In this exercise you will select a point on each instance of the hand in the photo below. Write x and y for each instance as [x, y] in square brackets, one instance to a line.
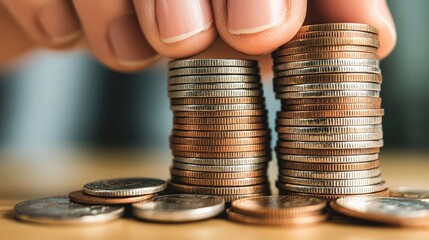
[131, 35]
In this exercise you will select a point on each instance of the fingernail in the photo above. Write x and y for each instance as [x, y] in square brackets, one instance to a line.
[128, 42]
[252, 16]
[179, 20]
[59, 22]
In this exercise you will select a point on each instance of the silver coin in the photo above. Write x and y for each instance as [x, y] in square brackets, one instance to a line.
[331, 130]
[358, 86]
[332, 137]
[327, 62]
[212, 70]
[333, 190]
[212, 168]
[410, 192]
[219, 107]
[355, 121]
[179, 208]
[216, 93]
[359, 27]
[125, 187]
[331, 175]
[60, 210]
[327, 94]
[186, 63]
[331, 182]
[331, 145]
[328, 69]
[222, 161]
[327, 159]
[214, 79]
[213, 86]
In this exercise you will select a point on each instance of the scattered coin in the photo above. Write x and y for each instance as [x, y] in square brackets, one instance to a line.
[81, 197]
[410, 193]
[179, 208]
[125, 187]
[60, 210]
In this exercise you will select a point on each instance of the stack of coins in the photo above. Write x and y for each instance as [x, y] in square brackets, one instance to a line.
[220, 139]
[328, 80]
[278, 210]
[118, 191]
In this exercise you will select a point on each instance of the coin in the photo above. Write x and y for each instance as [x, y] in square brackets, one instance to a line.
[338, 167]
[179, 208]
[213, 182]
[332, 113]
[329, 86]
[220, 114]
[226, 107]
[351, 121]
[330, 107]
[326, 152]
[333, 190]
[328, 78]
[211, 168]
[328, 41]
[219, 141]
[336, 34]
[222, 134]
[330, 130]
[222, 161]
[186, 63]
[328, 69]
[215, 101]
[234, 127]
[325, 55]
[205, 148]
[388, 210]
[333, 137]
[216, 93]
[213, 79]
[278, 206]
[60, 210]
[220, 175]
[213, 86]
[331, 197]
[326, 62]
[124, 187]
[231, 198]
[212, 70]
[328, 159]
[220, 121]
[410, 193]
[339, 26]
[334, 100]
[331, 175]
[331, 182]
[322, 49]
[327, 94]
[219, 190]
[295, 221]
[81, 197]
[223, 154]
[331, 145]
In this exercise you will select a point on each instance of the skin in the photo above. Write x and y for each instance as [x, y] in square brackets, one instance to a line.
[20, 33]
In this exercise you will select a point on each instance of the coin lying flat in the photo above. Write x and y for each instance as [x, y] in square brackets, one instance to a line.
[220, 175]
[81, 197]
[388, 210]
[328, 78]
[322, 49]
[339, 26]
[212, 70]
[330, 197]
[410, 193]
[331, 182]
[329, 86]
[125, 187]
[330, 130]
[328, 69]
[352, 121]
[179, 208]
[220, 120]
[219, 190]
[327, 94]
[320, 107]
[187, 63]
[212, 86]
[222, 161]
[215, 182]
[214, 101]
[337, 34]
[333, 190]
[331, 175]
[60, 210]
[231, 78]
[327, 159]
[326, 62]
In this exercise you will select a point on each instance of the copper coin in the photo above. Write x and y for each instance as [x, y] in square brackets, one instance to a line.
[339, 27]
[331, 182]
[331, 145]
[388, 210]
[330, 197]
[81, 197]
[327, 94]
[218, 114]
[189, 63]
[279, 206]
[219, 141]
[318, 130]
[331, 175]
[325, 55]
[213, 79]
[222, 134]
[332, 41]
[222, 161]
[327, 152]
[360, 86]
[324, 107]
[219, 190]
[220, 175]
[214, 168]
[218, 107]
[336, 100]
[332, 113]
[351, 121]
[216, 93]
[319, 49]
[213, 70]
[328, 159]
[332, 137]
[222, 154]
[231, 198]
[410, 193]
[220, 121]
[214, 101]
[333, 190]
[335, 167]
[219, 182]
[232, 127]
[336, 34]
[200, 148]
[294, 221]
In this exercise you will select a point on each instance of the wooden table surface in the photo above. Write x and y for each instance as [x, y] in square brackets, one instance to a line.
[22, 177]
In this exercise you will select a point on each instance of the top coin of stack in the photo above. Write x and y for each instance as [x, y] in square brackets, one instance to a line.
[220, 139]
[328, 79]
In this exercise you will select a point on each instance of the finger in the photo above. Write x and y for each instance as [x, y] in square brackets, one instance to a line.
[177, 28]
[114, 35]
[258, 26]
[372, 12]
[51, 23]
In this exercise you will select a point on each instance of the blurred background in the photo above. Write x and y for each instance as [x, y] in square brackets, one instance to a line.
[56, 102]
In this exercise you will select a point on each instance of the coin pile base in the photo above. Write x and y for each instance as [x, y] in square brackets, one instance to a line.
[278, 210]
[220, 139]
[328, 80]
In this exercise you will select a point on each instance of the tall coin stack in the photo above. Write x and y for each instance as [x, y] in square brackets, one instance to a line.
[220, 139]
[328, 80]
